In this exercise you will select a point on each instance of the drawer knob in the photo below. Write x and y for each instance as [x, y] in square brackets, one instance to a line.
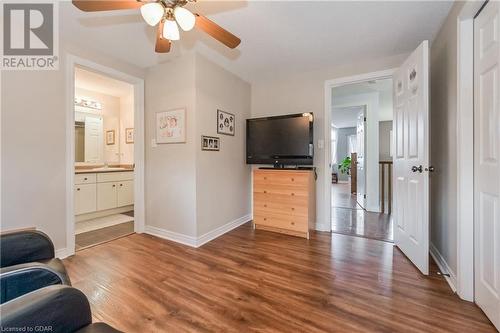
[265, 218]
[293, 194]
[293, 179]
[121, 185]
[293, 208]
[265, 191]
[265, 178]
[293, 223]
[78, 189]
[114, 185]
[265, 205]
[85, 178]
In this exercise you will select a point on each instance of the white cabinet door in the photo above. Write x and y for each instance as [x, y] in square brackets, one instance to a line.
[106, 196]
[85, 198]
[487, 161]
[411, 158]
[125, 193]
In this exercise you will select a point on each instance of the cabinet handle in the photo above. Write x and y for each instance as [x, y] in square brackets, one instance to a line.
[85, 178]
[265, 205]
[293, 208]
[293, 179]
[265, 218]
[265, 191]
[114, 185]
[293, 223]
[121, 185]
[265, 178]
[78, 189]
[293, 194]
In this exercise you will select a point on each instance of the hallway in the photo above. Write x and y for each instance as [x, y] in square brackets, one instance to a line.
[349, 218]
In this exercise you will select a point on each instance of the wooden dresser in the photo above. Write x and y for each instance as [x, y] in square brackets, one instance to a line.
[284, 201]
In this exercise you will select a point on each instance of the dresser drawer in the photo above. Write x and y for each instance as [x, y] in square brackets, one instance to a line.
[288, 190]
[282, 222]
[85, 178]
[278, 206]
[300, 179]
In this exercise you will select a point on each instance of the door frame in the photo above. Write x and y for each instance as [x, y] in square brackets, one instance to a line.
[329, 85]
[465, 150]
[138, 84]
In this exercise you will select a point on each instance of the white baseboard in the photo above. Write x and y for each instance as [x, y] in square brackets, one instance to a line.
[62, 253]
[171, 236]
[322, 227]
[211, 235]
[197, 241]
[443, 267]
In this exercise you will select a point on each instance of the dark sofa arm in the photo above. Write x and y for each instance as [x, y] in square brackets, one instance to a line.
[21, 279]
[58, 309]
[25, 246]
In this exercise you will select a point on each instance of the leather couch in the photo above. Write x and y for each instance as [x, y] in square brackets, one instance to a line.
[28, 263]
[55, 309]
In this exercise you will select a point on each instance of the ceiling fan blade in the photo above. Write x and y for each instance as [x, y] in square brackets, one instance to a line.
[217, 32]
[103, 5]
[162, 44]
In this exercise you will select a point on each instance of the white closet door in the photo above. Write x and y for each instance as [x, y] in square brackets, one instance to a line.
[486, 161]
[94, 140]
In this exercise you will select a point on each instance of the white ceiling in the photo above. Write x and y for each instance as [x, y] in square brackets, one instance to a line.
[277, 36]
[88, 80]
[347, 116]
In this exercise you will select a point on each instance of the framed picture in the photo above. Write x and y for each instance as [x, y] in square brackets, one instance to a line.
[171, 126]
[110, 137]
[129, 135]
[225, 123]
[210, 143]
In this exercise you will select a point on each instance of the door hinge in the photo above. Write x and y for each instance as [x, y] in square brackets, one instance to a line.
[365, 118]
[364, 196]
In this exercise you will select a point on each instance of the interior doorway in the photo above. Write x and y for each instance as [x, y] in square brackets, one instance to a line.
[105, 156]
[361, 159]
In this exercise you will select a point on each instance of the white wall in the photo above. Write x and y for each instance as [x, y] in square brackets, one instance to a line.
[342, 147]
[34, 145]
[384, 134]
[126, 121]
[222, 178]
[443, 118]
[171, 168]
[304, 92]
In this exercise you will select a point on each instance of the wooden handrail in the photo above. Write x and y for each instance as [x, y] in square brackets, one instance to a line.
[382, 168]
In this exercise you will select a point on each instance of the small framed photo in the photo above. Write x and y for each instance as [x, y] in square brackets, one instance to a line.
[210, 143]
[171, 126]
[110, 137]
[129, 135]
[225, 123]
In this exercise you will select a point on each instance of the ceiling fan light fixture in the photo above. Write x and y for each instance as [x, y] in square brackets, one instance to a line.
[152, 13]
[170, 30]
[185, 18]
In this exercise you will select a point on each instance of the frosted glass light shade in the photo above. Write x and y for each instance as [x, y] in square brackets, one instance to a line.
[185, 18]
[152, 13]
[170, 30]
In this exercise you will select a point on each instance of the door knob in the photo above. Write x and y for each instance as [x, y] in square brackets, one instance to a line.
[417, 168]
[430, 169]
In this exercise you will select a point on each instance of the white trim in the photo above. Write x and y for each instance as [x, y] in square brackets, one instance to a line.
[329, 84]
[138, 83]
[171, 236]
[465, 150]
[62, 253]
[197, 241]
[444, 267]
[211, 235]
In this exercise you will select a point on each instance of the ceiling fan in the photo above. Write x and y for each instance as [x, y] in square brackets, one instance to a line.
[168, 15]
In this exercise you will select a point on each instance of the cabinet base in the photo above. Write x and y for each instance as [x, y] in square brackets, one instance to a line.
[101, 213]
[282, 231]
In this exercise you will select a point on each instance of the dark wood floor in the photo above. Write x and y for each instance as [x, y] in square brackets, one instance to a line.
[350, 219]
[247, 281]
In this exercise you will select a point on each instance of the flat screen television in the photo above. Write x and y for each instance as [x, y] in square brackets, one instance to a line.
[281, 140]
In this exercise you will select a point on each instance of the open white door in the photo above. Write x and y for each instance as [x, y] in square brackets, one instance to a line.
[361, 160]
[411, 157]
[486, 161]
